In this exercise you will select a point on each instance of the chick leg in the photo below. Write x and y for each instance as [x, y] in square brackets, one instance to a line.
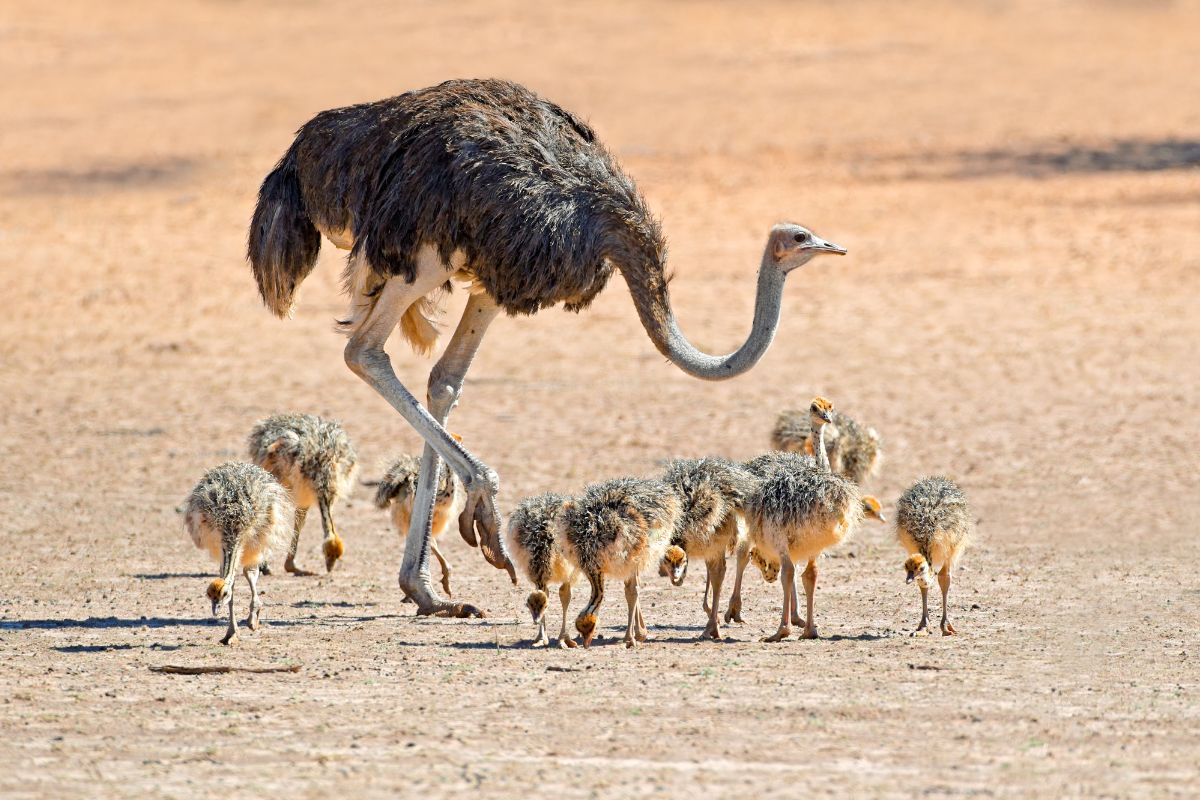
[564, 597]
[944, 582]
[231, 636]
[796, 606]
[433, 548]
[255, 600]
[924, 624]
[631, 600]
[733, 612]
[810, 588]
[716, 574]
[289, 563]
[787, 574]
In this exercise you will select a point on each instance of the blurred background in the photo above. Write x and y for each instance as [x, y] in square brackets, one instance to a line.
[1017, 184]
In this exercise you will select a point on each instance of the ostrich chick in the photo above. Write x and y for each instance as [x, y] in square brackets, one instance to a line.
[761, 467]
[799, 513]
[534, 546]
[713, 493]
[396, 491]
[314, 459]
[616, 529]
[854, 450]
[933, 523]
[240, 515]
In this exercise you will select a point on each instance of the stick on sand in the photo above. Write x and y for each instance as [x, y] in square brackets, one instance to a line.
[173, 669]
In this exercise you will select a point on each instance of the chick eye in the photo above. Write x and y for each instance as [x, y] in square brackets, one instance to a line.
[801, 237]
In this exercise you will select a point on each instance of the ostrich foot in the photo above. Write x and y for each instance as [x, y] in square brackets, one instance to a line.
[252, 621]
[779, 635]
[810, 632]
[734, 612]
[479, 522]
[565, 642]
[290, 566]
[443, 608]
[446, 584]
[230, 637]
[948, 630]
[264, 568]
[543, 642]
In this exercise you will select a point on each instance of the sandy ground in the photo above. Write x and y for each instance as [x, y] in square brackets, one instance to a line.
[1017, 185]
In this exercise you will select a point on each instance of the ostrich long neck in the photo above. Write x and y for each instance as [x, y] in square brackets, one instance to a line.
[822, 455]
[649, 290]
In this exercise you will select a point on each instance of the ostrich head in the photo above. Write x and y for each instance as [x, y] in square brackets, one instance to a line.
[794, 246]
[219, 593]
[820, 412]
[537, 602]
[334, 548]
[586, 625]
[674, 565]
[872, 508]
[769, 569]
[918, 569]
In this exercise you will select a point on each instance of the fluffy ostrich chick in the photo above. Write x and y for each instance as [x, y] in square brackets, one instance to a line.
[535, 547]
[933, 523]
[240, 514]
[617, 529]
[314, 459]
[396, 491]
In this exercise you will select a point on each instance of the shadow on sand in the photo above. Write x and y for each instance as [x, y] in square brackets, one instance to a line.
[1118, 155]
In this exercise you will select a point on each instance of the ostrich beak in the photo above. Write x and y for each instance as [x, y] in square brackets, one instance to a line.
[827, 247]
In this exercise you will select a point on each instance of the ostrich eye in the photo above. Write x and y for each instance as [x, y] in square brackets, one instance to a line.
[801, 237]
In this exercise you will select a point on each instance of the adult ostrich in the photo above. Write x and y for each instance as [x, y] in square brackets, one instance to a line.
[484, 182]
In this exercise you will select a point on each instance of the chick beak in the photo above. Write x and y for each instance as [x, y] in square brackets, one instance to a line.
[882, 518]
[587, 641]
[911, 577]
[216, 608]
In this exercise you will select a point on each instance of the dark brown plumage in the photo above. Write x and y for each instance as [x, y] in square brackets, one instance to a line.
[516, 183]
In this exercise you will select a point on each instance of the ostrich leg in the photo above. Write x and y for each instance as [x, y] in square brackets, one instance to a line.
[445, 387]
[366, 357]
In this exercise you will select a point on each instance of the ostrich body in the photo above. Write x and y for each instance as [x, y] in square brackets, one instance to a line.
[534, 544]
[933, 523]
[483, 182]
[240, 514]
[314, 459]
[397, 490]
[761, 467]
[617, 529]
[854, 450]
[713, 493]
[798, 514]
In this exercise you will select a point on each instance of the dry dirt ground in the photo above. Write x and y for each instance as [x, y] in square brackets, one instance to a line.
[1017, 184]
